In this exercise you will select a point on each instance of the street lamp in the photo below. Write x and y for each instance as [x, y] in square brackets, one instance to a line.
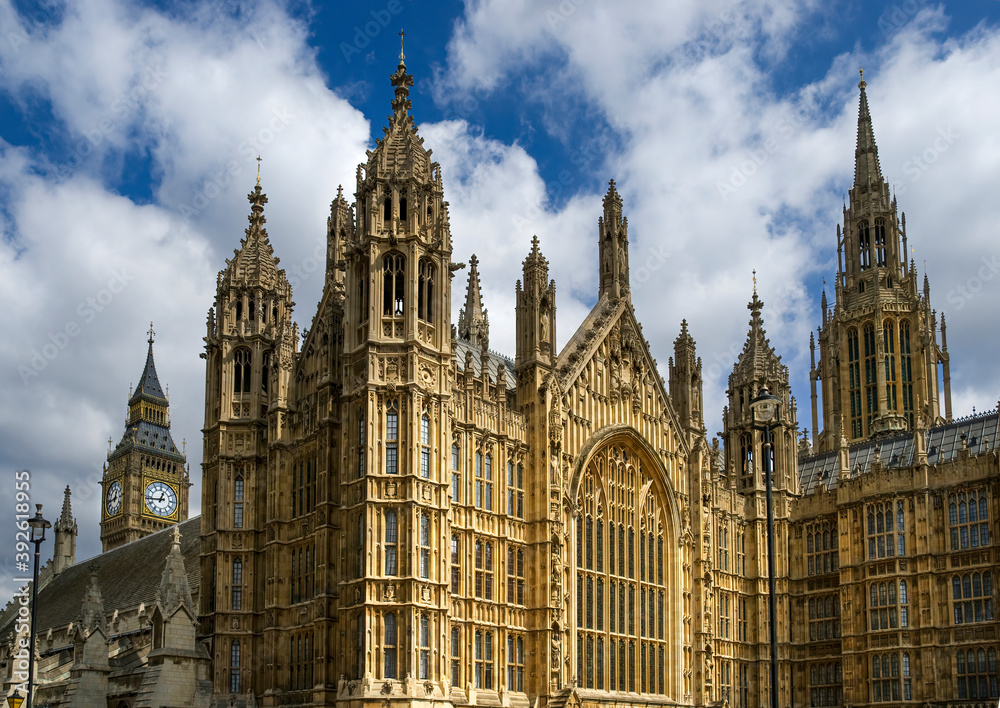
[14, 700]
[38, 525]
[766, 413]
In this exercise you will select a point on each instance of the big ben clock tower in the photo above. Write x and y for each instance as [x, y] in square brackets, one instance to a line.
[145, 484]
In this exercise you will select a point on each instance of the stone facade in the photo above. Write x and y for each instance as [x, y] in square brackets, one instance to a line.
[395, 514]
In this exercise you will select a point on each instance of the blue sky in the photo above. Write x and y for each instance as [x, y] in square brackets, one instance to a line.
[128, 133]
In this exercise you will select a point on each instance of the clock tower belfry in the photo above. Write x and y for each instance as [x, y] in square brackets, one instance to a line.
[145, 484]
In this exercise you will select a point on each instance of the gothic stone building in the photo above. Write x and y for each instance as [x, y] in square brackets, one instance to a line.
[395, 514]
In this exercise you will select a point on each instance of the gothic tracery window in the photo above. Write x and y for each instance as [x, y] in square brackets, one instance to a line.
[864, 246]
[241, 371]
[854, 378]
[425, 291]
[621, 581]
[394, 284]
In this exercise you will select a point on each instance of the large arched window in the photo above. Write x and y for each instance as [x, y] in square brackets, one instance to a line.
[394, 284]
[621, 619]
[241, 371]
[425, 291]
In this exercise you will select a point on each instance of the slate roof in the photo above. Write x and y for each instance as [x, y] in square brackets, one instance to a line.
[982, 434]
[127, 575]
[148, 437]
[493, 362]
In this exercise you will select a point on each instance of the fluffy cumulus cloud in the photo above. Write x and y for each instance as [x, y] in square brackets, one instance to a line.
[721, 173]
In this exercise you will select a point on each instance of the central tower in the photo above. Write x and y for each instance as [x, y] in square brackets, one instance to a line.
[397, 425]
[879, 350]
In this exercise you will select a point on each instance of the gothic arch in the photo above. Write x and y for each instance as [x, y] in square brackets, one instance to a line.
[625, 642]
[626, 434]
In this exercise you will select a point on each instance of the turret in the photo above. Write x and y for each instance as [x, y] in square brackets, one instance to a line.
[613, 232]
[759, 367]
[473, 320]
[64, 553]
[686, 384]
[876, 371]
[535, 311]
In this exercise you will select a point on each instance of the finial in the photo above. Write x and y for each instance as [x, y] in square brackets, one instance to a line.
[401, 56]
[862, 84]
[258, 170]
[755, 281]
[150, 333]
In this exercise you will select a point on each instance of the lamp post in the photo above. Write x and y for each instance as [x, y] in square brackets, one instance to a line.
[766, 414]
[38, 525]
[14, 700]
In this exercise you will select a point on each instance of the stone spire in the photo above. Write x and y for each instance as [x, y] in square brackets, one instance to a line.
[254, 263]
[64, 553]
[401, 82]
[866, 165]
[613, 250]
[149, 384]
[758, 359]
[66, 522]
[92, 609]
[535, 310]
[473, 320]
[174, 590]
[686, 386]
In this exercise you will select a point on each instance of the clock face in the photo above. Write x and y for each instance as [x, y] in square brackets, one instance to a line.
[160, 499]
[113, 500]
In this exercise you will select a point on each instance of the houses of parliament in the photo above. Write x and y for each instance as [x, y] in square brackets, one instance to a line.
[394, 514]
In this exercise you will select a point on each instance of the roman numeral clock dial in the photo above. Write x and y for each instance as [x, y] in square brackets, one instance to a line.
[161, 499]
